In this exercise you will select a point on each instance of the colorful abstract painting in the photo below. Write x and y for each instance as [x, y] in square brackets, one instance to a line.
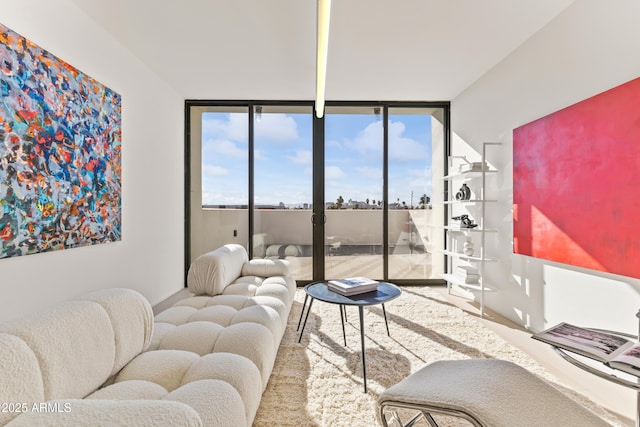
[576, 176]
[60, 141]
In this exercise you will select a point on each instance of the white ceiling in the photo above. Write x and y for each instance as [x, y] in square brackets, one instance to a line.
[265, 49]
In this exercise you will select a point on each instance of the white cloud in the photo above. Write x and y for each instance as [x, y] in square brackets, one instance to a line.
[277, 128]
[332, 143]
[220, 198]
[302, 157]
[402, 149]
[232, 126]
[419, 178]
[420, 173]
[371, 173]
[214, 170]
[225, 147]
[368, 140]
[333, 173]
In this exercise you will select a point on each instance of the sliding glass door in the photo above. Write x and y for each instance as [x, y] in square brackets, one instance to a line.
[218, 179]
[415, 140]
[352, 194]
[283, 185]
[353, 188]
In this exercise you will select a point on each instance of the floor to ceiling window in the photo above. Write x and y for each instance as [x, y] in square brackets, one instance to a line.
[218, 178]
[373, 170]
[414, 171]
[283, 188]
[353, 188]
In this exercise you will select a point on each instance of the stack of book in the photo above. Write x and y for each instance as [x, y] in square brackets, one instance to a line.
[468, 274]
[352, 286]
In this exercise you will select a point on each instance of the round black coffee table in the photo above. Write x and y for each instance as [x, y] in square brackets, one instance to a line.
[319, 291]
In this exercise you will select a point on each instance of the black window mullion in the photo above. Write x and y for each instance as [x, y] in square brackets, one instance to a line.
[187, 192]
[385, 192]
[318, 216]
[251, 129]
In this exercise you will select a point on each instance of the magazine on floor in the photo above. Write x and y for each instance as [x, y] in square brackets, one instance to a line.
[353, 285]
[613, 350]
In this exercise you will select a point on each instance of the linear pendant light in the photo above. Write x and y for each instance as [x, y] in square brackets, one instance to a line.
[322, 40]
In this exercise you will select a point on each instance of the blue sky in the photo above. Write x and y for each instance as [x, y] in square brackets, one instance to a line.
[283, 158]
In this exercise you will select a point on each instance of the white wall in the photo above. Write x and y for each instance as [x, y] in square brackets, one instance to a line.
[589, 48]
[149, 258]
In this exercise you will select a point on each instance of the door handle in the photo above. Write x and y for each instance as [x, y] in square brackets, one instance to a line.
[314, 222]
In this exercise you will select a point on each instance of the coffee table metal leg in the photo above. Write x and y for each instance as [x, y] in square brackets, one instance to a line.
[305, 319]
[342, 316]
[385, 319]
[304, 304]
[364, 365]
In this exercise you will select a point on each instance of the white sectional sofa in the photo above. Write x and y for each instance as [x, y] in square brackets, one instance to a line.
[101, 360]
[238, 306]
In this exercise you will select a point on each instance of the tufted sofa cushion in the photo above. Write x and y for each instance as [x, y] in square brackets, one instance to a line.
[238, 308]
[131, 319]
[247, 315]
[21, 377]
[224, 389]
[210, 273]
[110, 413]
[85, 361]
[266, 268]
[71, 349]
[225, 323]
[74, 347]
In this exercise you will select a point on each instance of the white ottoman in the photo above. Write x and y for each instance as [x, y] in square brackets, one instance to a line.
[487, 393]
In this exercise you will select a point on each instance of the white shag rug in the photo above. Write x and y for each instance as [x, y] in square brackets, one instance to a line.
[318, 382]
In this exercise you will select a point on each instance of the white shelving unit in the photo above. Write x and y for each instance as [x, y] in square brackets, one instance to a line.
[475, 207]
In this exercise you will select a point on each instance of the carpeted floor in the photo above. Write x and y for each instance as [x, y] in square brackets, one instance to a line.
[318, 382]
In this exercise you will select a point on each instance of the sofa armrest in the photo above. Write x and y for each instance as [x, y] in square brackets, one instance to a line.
[266, 268]
[210, 273]
[108, 413]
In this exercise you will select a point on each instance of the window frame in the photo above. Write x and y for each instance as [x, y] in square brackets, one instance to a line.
[318, 156]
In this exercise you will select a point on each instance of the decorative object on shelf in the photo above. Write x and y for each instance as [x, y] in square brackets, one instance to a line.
[467, 248]
[468, 274]
[465, 221]
[473, 167]
[464, 193]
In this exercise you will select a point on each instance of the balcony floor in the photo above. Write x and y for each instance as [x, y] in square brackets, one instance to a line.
[405, 266]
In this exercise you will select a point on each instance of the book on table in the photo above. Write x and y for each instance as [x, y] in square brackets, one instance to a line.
[613, 350]
[352, 285]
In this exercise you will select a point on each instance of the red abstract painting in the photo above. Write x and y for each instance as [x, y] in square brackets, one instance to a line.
[576, 174]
